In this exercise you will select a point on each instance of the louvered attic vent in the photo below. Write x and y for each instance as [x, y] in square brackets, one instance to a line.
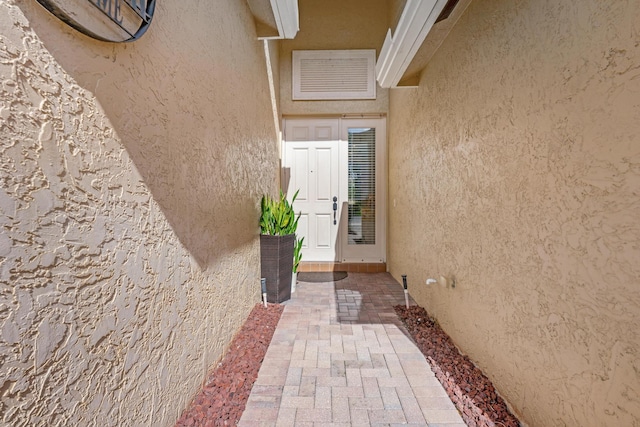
[334, 74]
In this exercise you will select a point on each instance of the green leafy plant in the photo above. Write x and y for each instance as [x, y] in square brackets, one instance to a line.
[297, 254]
[278, 217]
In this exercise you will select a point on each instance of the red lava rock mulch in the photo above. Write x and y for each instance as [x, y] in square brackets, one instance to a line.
[469, 389]
[224, 396]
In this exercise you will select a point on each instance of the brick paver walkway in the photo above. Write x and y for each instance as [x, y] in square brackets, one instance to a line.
[340, 357]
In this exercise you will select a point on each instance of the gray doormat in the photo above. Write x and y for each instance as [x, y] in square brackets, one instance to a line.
[322, 276]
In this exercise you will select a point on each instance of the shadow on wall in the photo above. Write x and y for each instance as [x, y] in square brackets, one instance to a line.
[199, 147]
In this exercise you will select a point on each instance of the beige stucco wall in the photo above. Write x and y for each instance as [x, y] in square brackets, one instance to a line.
[130, 182]
[515, 167]
[335, 25]
[396, 7]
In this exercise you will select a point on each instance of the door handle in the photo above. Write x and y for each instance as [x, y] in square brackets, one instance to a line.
[335, 209]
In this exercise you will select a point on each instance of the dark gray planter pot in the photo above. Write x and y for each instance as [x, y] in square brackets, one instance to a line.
[276, 263]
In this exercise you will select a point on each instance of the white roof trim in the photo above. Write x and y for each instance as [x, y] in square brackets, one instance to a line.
[287, 19]
[399, 49]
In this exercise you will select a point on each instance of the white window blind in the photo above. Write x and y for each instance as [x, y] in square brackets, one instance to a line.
[362, 186]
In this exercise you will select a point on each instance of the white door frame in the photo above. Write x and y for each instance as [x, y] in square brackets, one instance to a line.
[345, 252]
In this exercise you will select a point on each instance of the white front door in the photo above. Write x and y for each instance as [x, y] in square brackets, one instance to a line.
[313, 163]
[339, 168]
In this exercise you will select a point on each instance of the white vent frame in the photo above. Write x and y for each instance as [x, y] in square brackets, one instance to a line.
[333, 74]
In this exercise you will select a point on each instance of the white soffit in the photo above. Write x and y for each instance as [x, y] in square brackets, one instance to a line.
[334, 74]
[399, 49]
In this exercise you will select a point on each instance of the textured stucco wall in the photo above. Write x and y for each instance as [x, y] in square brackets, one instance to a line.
[335, 25]
[130, 178]
[515, 166]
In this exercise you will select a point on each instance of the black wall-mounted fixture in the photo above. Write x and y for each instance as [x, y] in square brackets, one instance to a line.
[106, 20]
